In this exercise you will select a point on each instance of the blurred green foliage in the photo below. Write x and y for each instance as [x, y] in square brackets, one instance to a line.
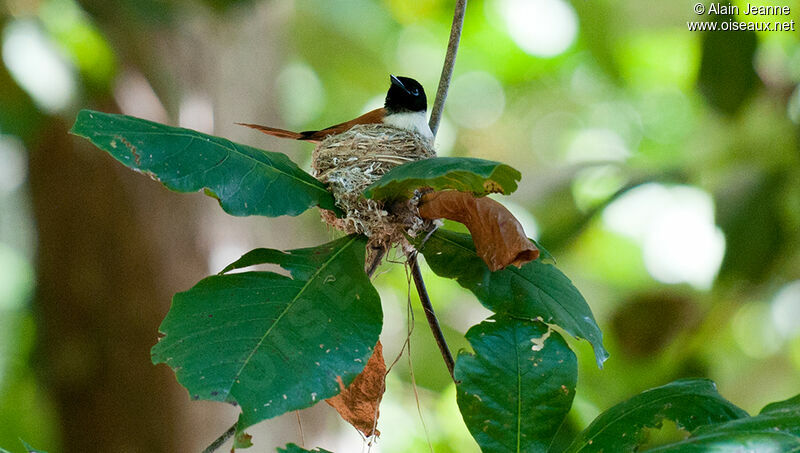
[635, 98]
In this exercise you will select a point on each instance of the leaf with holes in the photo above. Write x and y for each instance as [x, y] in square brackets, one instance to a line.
[746, 442]
[465, 174]
[245, 180]
[536, 290]
[272, 343]
[517, 388]
[690, 403]
[776, 428]
[292, 448]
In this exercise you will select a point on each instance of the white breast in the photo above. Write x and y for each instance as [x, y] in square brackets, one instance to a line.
[412, 121]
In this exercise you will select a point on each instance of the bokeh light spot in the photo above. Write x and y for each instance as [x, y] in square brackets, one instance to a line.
[786, 310]
[594, 185]
[446, 138]
[302, 96]
[597, 145]
[197, 112]
[543, 28]
[136, 97]
[753, 331]
[13, 163]
[419, 56]
[476, 100]
[38, 67]
[676, 230]
[16, 280]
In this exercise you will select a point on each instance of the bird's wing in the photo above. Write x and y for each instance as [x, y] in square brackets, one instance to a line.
[372, 117]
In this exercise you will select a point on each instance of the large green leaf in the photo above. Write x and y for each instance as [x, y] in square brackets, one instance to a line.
[245, 180]
[783, 416]
[292, 448]
[272, 343]
[515, 391]
[776, 429]
[537, 290]
[465, 174]
[690, 403]
[727, 72]
[791, 405]
[745, 442]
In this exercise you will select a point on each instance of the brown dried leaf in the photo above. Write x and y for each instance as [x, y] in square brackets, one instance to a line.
[498, 236]
[358, 404]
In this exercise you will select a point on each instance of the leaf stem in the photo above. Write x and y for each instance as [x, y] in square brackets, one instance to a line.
[221, 440]
[449, 64]
[433, 322]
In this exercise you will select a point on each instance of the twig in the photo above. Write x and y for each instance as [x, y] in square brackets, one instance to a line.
[300, 427]
[221, 440]
[372, 266]
[433, 322]
[449, 63]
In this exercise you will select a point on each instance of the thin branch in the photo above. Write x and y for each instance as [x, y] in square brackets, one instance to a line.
[449, 64]
[433, 322]
[372, 266]
[221, 440]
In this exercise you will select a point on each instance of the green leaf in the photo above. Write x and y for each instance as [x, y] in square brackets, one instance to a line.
[272, 343]
[537, 290]
[783, 417]
[544, 255]
[517, 388]
[690, 403]
[727, 74]
[255, 257]
[791, 405]
[777, 429]
[465, 174]
[245, 180]
[734, 442]
[292, 448]
[750, 210]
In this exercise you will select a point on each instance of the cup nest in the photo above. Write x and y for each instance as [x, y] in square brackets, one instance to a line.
[349, 162]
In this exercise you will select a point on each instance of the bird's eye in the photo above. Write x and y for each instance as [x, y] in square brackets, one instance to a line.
[415, 92]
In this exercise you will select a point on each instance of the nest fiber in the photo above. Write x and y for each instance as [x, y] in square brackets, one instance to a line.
[349, 162]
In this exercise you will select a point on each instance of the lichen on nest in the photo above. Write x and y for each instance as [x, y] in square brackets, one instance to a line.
[349, 162]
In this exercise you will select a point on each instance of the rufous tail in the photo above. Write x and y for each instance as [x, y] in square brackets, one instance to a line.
[282, 133]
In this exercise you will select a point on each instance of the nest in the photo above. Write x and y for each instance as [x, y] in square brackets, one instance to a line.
[349, 162]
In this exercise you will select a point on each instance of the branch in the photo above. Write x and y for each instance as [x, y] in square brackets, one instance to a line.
[433, 322]
[449, 63]
[221, 440]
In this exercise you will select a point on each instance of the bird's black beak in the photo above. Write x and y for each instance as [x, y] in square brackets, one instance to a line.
[396, 82]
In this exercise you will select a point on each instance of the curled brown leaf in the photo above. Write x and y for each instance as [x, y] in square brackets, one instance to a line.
[358, 403]
[498, 236]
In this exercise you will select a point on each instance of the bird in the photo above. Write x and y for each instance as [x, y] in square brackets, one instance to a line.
[405, 108]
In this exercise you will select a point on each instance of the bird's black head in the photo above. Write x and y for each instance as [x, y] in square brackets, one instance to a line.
[405, 95]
